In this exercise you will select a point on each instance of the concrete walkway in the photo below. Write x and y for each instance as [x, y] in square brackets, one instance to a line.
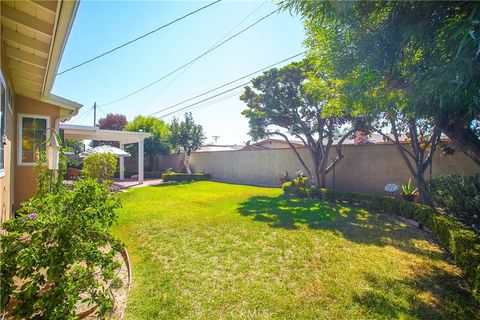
[133, 183]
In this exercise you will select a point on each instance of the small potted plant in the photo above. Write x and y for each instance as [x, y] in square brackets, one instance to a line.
[74, 167]
[408, 193]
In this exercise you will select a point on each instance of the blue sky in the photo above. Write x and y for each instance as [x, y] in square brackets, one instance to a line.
[102, 25]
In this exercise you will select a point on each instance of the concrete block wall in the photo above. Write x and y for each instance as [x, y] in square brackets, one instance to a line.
[363, 169]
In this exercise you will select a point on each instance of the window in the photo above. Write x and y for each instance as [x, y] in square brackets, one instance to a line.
[32, 137]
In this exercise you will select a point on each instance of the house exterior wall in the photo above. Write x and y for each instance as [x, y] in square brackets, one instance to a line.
[25, 176]
[366, 168]
[7, 181]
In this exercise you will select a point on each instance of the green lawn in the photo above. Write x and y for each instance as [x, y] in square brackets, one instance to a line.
[209, 250]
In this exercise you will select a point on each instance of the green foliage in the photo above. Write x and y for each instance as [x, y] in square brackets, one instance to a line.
[291, 101]
[116, 283]
[74, 162]
[407, 188]
[158, 142]
[459, 196]
[179, 177]
[99, 166]
[425, 51]
[461, 242]
[45, 177]
[75, 146]
[186, 135]
[52, 252]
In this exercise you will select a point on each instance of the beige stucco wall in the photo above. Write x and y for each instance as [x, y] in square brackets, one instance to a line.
[25, 177]
[6, 182]
[363, 169]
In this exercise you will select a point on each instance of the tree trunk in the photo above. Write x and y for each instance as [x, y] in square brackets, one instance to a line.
[424, 196]
[186, 164]
[464, 139]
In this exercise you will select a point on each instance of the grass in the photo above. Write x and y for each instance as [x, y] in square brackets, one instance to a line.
[209, 250]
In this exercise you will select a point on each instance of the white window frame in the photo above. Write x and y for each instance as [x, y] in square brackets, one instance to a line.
[20, 116]
[4, 84]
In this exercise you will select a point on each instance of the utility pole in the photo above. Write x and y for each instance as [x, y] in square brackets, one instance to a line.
[215, 138]
[94, 114]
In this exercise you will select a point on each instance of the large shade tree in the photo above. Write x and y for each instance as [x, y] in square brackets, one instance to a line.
[284, 103]
[186, 137]
[158, 143]
[429, 50]
[416, 138]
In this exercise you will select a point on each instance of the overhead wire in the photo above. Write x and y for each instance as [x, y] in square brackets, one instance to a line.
[83, 117]
[226, 84]
[137, 38]
[191, 64]
[209, 103]
[195, 59]
[206, 99]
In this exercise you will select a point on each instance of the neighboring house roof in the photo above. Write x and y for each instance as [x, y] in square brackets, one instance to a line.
[218, 147]
[272, 144]
[34, 34]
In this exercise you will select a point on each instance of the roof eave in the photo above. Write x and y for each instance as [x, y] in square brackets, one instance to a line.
[63, 25]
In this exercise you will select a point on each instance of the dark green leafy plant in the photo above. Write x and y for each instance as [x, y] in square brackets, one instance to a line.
[58, 251]
[459, 196]
[74, 162]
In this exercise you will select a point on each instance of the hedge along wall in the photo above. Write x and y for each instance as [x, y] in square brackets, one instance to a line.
[462, 243]
[363, 169]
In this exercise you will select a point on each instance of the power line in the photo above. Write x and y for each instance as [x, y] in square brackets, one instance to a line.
[228, 83]
[101, 110]
[193, 60]
[209, 103]
[85, 114]
[206, 99]
[137, 38]
[217, 42]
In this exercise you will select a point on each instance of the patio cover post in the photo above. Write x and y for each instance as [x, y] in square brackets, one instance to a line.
[140, 162]
[122, 164]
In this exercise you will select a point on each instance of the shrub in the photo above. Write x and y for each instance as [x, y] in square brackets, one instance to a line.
[74, 162]
[59, 252]
[99, 166]
[462, 243]
[179, 177]
[459, 196]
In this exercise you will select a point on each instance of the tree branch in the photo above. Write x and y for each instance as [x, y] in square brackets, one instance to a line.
[295, 151]
[338, 147]
[401, 149]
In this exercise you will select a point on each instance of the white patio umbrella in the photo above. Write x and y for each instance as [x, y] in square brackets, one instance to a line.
[106, 149]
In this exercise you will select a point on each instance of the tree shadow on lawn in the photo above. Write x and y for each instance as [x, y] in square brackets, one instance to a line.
[429, 294]
[357, 225]
[433, 293]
